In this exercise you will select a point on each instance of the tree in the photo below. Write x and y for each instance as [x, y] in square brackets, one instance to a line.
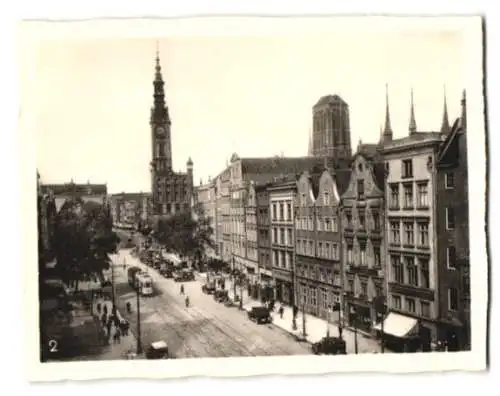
[84, 240]
[187, 233]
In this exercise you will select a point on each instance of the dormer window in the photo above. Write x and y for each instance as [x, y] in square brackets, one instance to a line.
[326, 199]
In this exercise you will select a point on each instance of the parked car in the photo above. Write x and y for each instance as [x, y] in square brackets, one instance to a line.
[184, 276]
[260, 315]
[329, 346]
[221, 295]
[157, 350]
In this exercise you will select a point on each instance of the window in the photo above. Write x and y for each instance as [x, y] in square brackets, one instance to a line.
[411, 271]
[282, 211]
[311, 248]
[328, 252]
[408, 194]
[376, 257]
[326, 198]
[395, 234]
[397, 269]
[376, 221]
[424, 273]
[275, 235]
[348, 218]
[310, 223]
[329, 276]
[396, 302]
[324, 298]
[350, 286]
[276, 259]
[361, 219]
[362, 255]
[328, 225]
[451, 257]
[423, 234]
[378, 290]
[289, 240]
[282, 259]
[394, 198]
[335, 251]
[449, 180]
[303, 199]
[320, 249]
[282, 236]
[274, 212]
[319, 224]
[423, 195]
[335, 225]
[322, 275]
[409, 233]
[349, 255]
[407, 169]
[364, 288]
[452, 299]
[289, 211]
[361, 189]
[450, 218]
[425, 309]
[289, 260]
[410, 305]
[314, 295]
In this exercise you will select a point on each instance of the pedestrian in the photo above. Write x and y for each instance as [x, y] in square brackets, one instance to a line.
[103, 319]
[105, 309]
[108, 327]
[281, 311]
[98, 308]
[124, 327]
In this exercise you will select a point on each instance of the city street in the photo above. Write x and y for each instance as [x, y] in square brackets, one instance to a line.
[204, 329]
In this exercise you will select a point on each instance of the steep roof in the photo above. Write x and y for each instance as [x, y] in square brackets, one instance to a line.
[371, 152]
[455, 129]
[414, 138]
[266, 169]
[72, 188]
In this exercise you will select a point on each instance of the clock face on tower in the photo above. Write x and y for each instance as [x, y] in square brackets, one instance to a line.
[160, 131]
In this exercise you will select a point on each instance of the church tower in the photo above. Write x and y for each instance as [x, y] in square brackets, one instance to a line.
[161, 163]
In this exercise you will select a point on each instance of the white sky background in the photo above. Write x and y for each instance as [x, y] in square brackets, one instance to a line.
[89, 100]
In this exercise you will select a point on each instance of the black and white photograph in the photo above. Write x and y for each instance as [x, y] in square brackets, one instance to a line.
[303, 188]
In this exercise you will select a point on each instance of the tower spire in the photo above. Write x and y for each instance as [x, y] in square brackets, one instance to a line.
[413, 123]
[445, 124]
[387, 128]
[159, 112]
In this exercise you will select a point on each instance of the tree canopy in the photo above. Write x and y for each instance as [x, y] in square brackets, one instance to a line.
[84, 239]
[187, 233]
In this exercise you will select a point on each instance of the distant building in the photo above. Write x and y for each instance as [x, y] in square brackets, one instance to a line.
[128, 208]
[331, 135]
[205, 201]
[172, 192]
[453, 234]
[86, 191]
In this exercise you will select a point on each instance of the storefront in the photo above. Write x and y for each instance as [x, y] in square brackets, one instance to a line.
[284, 286]
[359, 316]
[267, 287]
[400, 333]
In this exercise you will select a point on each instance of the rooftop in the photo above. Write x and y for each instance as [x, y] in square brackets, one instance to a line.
[329, 99]
[73, 188]
[413, 139]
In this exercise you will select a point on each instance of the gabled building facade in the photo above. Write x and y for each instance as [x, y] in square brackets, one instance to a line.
[363, 238]
[318, 267]
[266, 282]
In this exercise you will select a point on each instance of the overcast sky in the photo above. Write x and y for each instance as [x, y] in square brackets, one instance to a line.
[89, 100]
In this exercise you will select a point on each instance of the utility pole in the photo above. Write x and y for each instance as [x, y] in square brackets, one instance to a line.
[139, 344]
[241, 293]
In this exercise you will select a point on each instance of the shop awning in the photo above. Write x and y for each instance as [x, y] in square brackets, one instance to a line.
[398, 325]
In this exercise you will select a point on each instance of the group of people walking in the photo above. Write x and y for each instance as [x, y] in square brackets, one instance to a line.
[114, 327]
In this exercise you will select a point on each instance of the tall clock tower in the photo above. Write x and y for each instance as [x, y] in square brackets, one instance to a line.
[161, 164]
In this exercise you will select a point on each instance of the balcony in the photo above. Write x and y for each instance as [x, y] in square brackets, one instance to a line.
[410, 290]
[363, 270]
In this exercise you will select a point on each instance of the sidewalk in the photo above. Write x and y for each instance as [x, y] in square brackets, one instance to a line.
[316, 329]
[114, 350]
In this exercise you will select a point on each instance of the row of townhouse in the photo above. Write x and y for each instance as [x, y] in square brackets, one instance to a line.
[379, 241]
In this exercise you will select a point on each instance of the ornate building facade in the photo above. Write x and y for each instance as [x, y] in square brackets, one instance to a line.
[172, 192]
[363, 238]
[318, 266]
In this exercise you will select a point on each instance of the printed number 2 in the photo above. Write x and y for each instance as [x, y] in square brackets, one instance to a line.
[53, 346]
